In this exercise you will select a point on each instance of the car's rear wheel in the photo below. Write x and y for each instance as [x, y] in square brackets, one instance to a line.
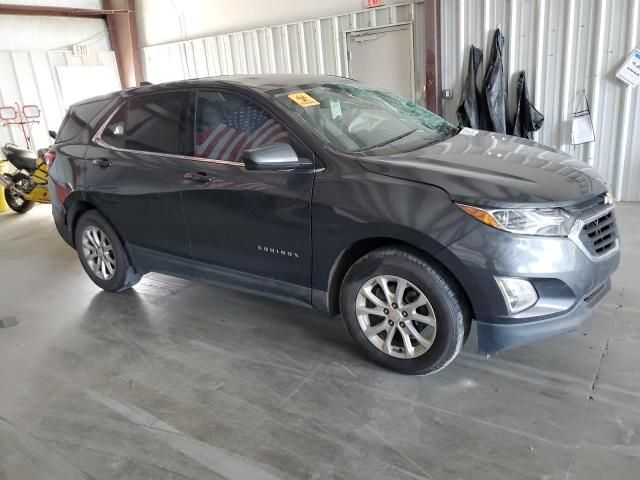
[403, 312]
[102, 254]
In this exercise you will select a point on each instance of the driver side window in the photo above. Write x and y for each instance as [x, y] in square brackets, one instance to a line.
[226, 125]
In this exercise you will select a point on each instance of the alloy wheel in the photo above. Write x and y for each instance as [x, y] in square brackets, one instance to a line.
[396, 316]
[98, 253]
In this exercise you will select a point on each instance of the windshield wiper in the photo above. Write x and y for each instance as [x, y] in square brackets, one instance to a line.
[386, 142]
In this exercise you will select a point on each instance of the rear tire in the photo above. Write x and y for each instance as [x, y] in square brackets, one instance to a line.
[102, 254]
[405, 313]
[17, 203]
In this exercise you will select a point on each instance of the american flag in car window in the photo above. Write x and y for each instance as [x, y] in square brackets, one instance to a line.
[228, 132]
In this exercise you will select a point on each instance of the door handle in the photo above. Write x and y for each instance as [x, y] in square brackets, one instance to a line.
[101, 162]
[198, 177]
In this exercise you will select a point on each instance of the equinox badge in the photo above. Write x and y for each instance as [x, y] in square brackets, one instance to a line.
[277, 251]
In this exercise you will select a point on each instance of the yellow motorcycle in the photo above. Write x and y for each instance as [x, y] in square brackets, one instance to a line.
[27, 184]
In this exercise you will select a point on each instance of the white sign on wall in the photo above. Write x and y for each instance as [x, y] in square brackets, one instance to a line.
[629, 72]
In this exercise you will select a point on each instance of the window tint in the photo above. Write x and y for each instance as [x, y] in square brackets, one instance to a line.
[78, 118]
[148, 124]
[153, 123]
[226, 125]
[113, 133]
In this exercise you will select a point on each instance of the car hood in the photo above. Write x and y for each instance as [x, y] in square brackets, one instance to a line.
[492, 169]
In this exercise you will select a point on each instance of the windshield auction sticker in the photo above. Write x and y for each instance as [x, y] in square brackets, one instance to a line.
[303, 99]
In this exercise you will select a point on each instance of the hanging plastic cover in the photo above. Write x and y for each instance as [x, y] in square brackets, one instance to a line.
[494, 88]
[527, 119]
[469, 113]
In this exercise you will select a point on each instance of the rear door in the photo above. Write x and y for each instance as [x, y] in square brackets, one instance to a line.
[133, 175]
[252, 228]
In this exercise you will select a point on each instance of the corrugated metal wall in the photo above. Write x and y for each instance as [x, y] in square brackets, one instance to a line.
[31, 78]
[565, 47]
[311, 46]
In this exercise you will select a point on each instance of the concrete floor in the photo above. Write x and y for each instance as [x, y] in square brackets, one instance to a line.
[184, 380]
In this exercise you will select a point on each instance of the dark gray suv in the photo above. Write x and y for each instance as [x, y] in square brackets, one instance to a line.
[332, 194]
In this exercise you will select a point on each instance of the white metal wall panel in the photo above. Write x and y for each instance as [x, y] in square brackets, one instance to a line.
[31, 78]
[313, 46]
[565, 47]
[94, 4]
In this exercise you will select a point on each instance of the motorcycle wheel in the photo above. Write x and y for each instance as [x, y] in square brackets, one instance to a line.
[15, 201]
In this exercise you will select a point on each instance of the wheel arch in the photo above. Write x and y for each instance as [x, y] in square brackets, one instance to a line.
[362, 247]
[79, 208]
[76, 207]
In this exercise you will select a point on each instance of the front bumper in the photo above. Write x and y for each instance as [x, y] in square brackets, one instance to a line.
[493, 337]
[569, 284]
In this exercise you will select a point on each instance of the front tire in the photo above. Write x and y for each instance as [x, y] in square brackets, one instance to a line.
[102, 254]
[16, 202]
[403, 312]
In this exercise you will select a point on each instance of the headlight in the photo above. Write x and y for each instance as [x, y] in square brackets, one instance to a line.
[551, 222]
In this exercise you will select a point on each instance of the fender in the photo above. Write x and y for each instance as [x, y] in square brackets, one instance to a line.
[326, 289]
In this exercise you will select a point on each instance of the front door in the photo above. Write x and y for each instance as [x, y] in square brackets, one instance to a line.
[133, 174]
[250, 228]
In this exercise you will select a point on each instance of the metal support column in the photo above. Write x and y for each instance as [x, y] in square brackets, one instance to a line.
[432, 49]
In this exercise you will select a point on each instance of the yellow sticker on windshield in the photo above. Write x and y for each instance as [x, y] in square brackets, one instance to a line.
[303, 99]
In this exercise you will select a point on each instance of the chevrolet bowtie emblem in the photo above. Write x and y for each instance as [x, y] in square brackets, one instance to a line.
[608, 199]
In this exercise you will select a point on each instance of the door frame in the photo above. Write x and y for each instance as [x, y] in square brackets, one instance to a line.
[373, 30]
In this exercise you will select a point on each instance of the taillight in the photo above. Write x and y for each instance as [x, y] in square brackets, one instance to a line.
[49, 158]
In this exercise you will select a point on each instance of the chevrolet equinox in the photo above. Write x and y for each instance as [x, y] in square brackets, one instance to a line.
[329, 193]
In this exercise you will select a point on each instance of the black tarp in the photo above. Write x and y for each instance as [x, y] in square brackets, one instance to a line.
[494, 88]
[469, 111]
[527, 118]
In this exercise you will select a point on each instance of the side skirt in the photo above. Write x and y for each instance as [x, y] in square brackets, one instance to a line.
[146, 260]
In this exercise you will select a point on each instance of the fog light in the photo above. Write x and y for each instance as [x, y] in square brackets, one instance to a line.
[518, 294]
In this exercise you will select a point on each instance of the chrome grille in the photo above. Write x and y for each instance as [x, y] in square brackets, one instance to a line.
[598, 234]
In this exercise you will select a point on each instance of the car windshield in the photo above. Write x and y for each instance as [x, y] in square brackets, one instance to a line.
[358, 119]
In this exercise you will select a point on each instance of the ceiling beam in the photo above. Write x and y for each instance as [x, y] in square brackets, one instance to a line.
[57, 11]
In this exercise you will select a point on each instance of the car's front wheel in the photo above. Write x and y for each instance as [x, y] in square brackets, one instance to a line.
[102, 254]
[403, 312]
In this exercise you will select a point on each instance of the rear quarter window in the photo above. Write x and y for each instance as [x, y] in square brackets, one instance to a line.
[79, 117]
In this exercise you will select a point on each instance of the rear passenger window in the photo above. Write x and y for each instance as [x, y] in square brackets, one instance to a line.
[147, 124]
[226, 125]
[113, 133]
[153, 123]
[78, 118]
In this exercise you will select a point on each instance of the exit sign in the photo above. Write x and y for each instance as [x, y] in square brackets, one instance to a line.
[80, 50]
[374, 3]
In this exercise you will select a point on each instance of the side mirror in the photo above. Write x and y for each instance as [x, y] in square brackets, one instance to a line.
[278, 156]
[8, 113]
[53, 134]
[31, 111]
